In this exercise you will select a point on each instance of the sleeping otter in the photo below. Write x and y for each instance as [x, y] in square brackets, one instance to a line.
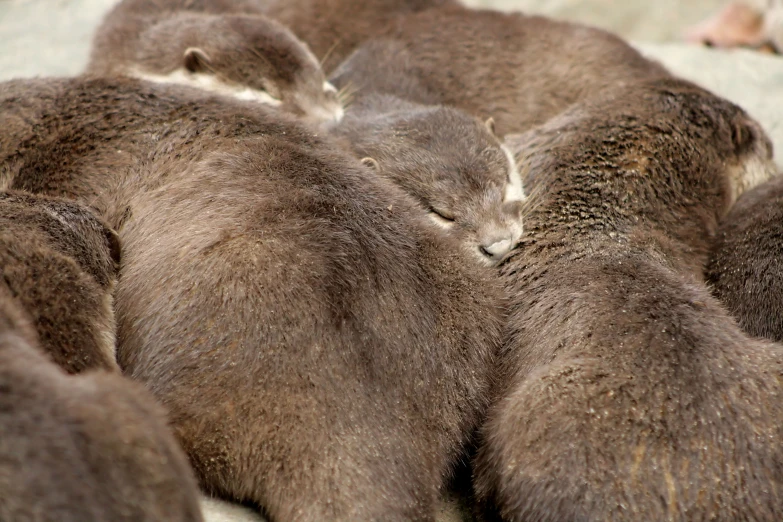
[450, 163]
[226, 47]
[629, 392]
[324, 351]
[88, 447]
[744, 268]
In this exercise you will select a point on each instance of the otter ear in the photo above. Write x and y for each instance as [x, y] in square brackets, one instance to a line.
[490, 124]
[742, 136]
[195, 60]
[371, 163]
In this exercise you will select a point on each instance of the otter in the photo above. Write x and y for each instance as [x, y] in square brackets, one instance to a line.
[628, 392]
[744, 270]
[520, 70]
[450, 163]
[333, 29]
[60, 261]
[323, 350]
[92, 446]
[224, 47]
[347, 348]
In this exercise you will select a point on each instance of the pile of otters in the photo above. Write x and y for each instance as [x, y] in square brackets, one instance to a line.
[291, 272]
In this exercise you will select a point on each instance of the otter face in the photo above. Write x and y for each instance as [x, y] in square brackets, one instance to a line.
[246, 57]
[454, 166]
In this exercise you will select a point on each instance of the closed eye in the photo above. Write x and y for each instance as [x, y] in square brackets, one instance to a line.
[441, 216]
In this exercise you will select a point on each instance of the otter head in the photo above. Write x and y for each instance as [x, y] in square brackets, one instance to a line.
[247, 57]
[457, 170]
[705, 144]
[663, 151]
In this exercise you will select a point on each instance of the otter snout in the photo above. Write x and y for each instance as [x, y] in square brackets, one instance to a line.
[321, 107]
[495, 249]
[327, 115]
[499, 231]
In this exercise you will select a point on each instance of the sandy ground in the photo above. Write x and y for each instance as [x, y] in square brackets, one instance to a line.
[646, 20]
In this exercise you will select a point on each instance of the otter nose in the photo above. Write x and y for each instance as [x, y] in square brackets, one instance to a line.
[496, 248]
[326, 116]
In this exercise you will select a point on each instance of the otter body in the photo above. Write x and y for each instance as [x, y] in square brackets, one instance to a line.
[520, 70]
[333, 29]
[629, 392]
[60, 261]
[83, 139]
[323, 354]
[449, 162]
[226, 47]
[744, 269]
[88, 447]
[323, 350]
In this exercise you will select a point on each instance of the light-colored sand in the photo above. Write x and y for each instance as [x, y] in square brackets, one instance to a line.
[47, 37]
[645, 20]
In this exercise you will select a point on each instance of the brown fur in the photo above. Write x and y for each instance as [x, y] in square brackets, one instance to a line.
[323, 351]
[59, 262]
[520, 70]
[229, 41]
[322, 354]
[631, 394]
[334, 28]
[449, 162]
[745, 268]
[83, 138]
[73, 448]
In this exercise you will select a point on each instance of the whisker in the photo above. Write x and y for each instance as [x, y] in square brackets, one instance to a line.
[255, 51]
[346, 94]
[329, 52]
